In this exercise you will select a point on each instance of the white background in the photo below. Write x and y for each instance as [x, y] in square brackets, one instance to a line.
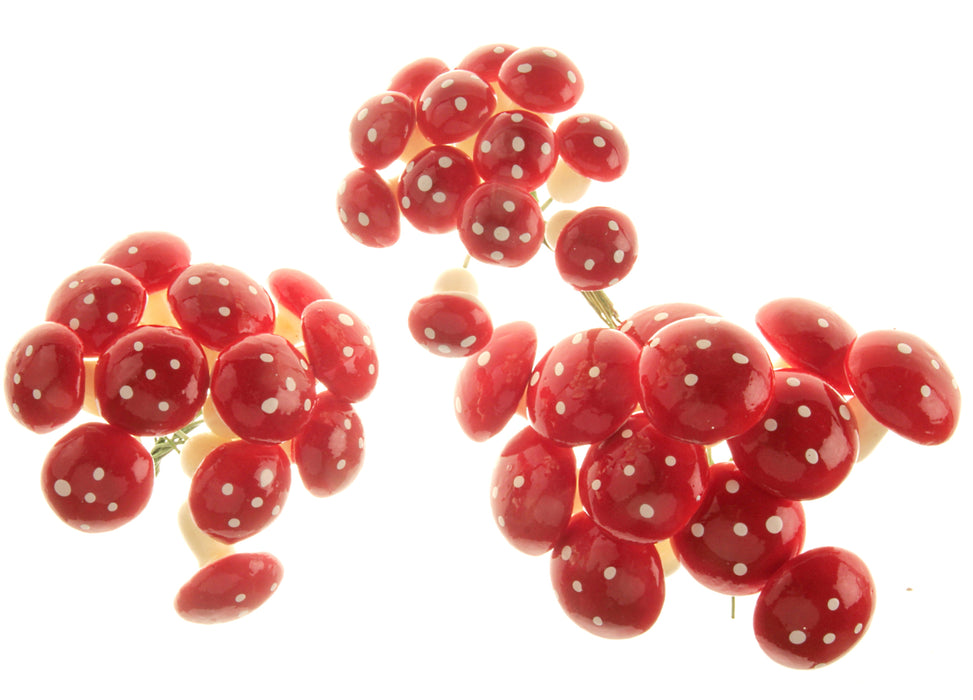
[812, 149]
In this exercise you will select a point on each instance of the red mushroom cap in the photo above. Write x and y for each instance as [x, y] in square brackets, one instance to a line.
[153, 257]
[905, 385]
[229, 588]
[294, 289]
[593, 147]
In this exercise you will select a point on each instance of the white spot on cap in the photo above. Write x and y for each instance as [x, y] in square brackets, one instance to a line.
[774, 524]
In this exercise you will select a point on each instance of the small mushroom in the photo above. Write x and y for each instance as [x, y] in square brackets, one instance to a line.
[229, 587]
[593, 147]
[905, 385]
[450, 324]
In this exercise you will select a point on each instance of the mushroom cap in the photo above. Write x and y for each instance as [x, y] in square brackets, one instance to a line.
[155, 258]
[905, 385]
[809, 336]
[593, 146]
[229, 588]
[491, 383]
[294, 289]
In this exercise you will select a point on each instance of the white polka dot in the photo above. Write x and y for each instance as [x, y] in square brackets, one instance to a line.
[804, 411]
[594, 371]
[859, 627]
[925, 391]
[98, 474]
[596, 484]
[609, 573]
[904, 348]
[150, 374]
[844, 412]
[227, 489]
[646, 511]
[811, 455]
[690, 379]
[828, 638]
[740, 569]
[90, 497]
[732, 486]
[740, 358]
[823, 322]
[233, 522]
[347, 351]
[224, 311]
[697, 530]
[598, 621]
[774, 524]
[576, 585]
[266, 357]
[256, 502]
[797, 637]
[560, 408]
[566, 553]
[126, 392]
[424, 183]
[269, 405]
[793, 381]
[266, 477]
[770, 425]
[629, 470]
[483, 358]
[740, 529]
[670, 461]
[62, 488]
[703, 344]
[518, 481]
[175, 364]
[833, 604]
[558, 369]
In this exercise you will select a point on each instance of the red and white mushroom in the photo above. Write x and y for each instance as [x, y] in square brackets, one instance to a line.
[450, 324]
[340, 349]
[592, 146]
[453, 106]
[44, 381]
[381, 128]
[97, 477]
[229, 588]
[809, 336]
[596, 249]
[98, 303]
[434, 186]
[517, 148]
[501, 225]
[541, 79]
[492, 382]
[905, 384]
[367, 209]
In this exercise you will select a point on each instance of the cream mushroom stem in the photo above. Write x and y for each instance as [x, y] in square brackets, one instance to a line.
[870, 431]
[204, 548]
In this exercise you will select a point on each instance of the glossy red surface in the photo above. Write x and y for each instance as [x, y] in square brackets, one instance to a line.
[611, 588]
[340, 349]
[97, 477]
[263, 388]
[641, 485]
[805, 444]
[584, 387]
[905, 385]
[239, 489]
[229, 588]
[44, 379]
[532, 491]
[705, 380]
[815, 609]
[492, 382]
[218, 304]
[740, 535]
[151, 381]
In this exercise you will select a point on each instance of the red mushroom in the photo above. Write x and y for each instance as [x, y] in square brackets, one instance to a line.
[293, 290]
[592, 146]
[229, 588]
[450, 324]
[367, 209]
[905, 384]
